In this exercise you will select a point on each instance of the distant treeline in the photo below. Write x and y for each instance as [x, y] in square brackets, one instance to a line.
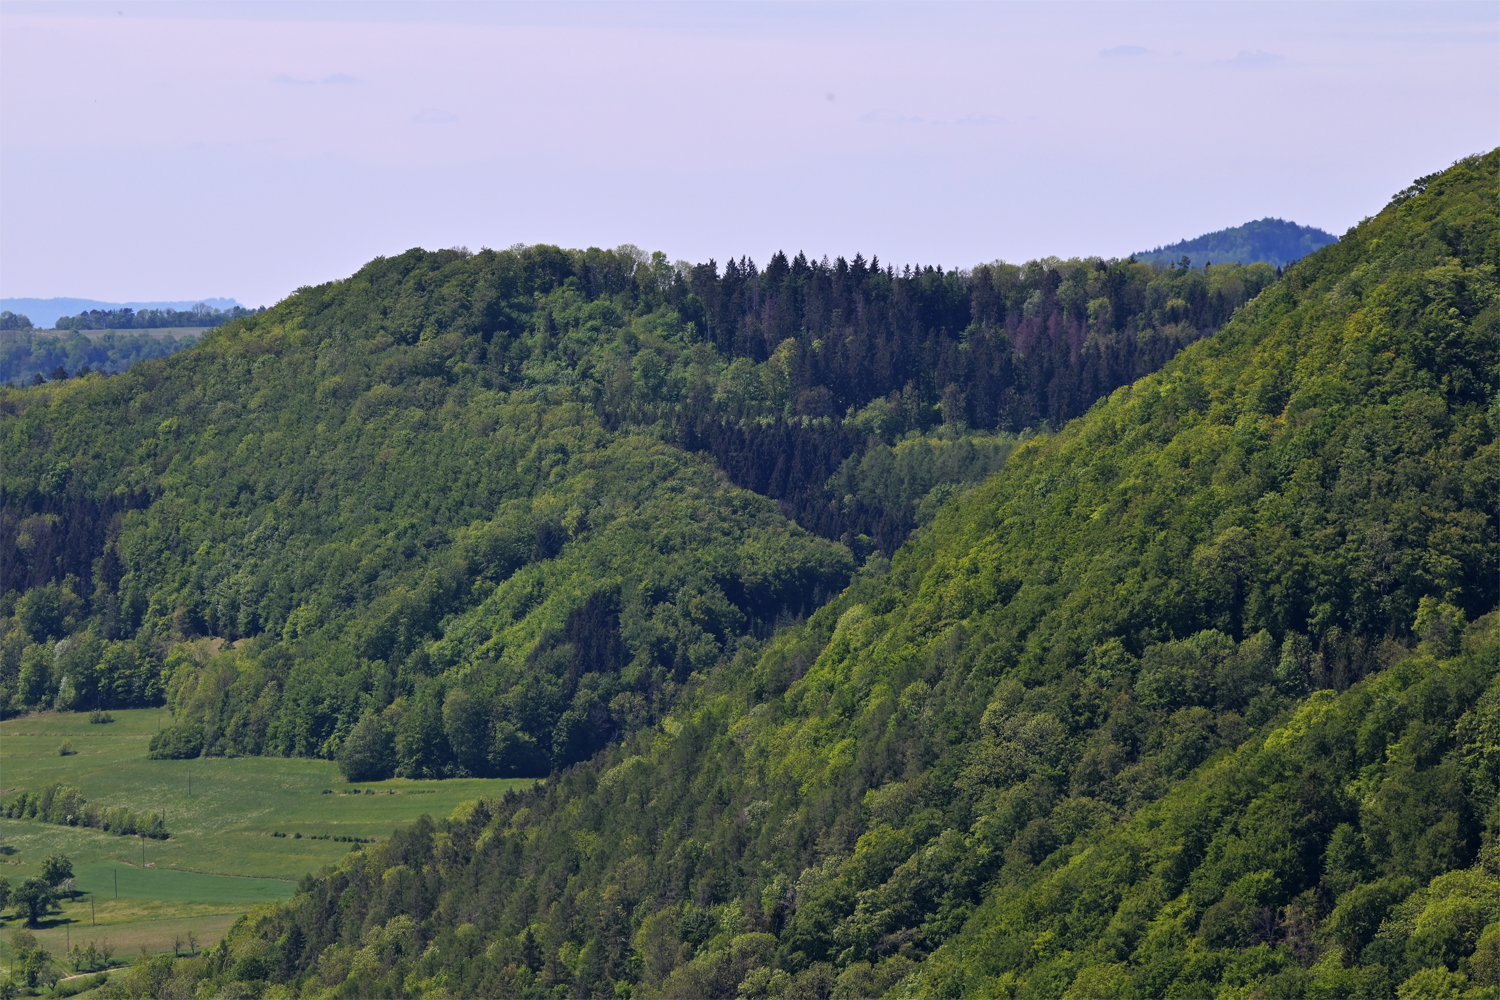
[27, 357]
[201, 315]
[66, 806]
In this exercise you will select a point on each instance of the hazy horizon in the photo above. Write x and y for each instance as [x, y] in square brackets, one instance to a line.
[251, 148]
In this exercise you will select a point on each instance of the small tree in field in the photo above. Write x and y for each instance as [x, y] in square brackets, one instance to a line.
[56, 869]
[34, 899]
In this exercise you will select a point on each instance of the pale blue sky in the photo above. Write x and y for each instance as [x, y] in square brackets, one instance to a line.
[167, 150]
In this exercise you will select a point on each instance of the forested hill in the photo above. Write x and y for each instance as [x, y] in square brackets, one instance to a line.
[1271, 241]
[1196, 697]
[434, 481]
[806, 363]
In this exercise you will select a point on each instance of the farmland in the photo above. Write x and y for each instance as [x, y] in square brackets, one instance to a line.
[223, 855]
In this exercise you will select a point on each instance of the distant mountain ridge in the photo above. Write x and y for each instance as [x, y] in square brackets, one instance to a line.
[1274, 241]
[44, 312]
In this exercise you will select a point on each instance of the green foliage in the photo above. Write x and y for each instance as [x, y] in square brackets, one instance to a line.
[425, 532]
[1144, 714]
[1307, 844]
[65, 805]
[442, 475]
[33, 899]
[56, 868]
[31, 964]
[177, 742]
[1185, 700]
[27, 356]
[369, 754]
[199, 316]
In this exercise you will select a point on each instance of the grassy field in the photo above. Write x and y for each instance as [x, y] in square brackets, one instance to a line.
[221, 858]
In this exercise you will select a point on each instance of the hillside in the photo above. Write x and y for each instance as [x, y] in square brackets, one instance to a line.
[1140, 713]
[1197, 696]
[480, 500]
[1271, 241]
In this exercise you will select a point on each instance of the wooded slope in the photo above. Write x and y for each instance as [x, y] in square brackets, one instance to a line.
[1196, 697]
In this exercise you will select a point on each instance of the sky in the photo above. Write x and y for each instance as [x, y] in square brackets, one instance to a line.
[181, 150]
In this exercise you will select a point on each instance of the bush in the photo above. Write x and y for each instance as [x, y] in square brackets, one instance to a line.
[56, 869]
[177, 743]
[63, 804]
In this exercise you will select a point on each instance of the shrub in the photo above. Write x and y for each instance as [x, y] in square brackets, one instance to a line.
[177, 743]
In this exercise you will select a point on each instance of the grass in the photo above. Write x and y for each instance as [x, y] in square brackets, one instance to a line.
[222, 857]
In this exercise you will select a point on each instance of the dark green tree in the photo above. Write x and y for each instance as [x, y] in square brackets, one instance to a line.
[56, 868]
[369, 752]
[34, 898]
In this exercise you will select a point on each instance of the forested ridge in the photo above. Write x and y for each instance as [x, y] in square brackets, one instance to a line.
[1272, 241]
[124, 318]
[1197, 696]
[431, 483]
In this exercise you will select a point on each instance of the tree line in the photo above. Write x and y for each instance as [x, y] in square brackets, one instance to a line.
[125, 318]
[31, 358]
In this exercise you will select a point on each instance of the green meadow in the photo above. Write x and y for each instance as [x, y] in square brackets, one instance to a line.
[223, 855]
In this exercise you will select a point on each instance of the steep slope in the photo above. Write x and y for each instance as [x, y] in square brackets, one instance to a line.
[1350, 852]
[1146, 713]
[1271, 241]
